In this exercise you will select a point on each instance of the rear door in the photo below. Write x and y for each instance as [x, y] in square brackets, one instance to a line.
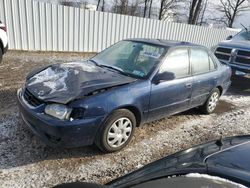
[171, 96]
[204, 74]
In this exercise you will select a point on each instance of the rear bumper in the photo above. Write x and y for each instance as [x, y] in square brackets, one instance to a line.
[226, 87]
[243, 70]
[59, 133]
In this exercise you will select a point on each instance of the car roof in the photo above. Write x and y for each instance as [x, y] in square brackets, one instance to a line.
[163, 42]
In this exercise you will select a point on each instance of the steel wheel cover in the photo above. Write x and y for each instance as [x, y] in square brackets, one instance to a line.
[213, 101]
[119, 132]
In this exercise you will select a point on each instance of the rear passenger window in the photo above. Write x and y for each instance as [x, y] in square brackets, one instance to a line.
[200, 61]
[212, 64]
[177, 63]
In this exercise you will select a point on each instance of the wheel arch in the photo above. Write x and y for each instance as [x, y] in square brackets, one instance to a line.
[220, 89]
[134, 110]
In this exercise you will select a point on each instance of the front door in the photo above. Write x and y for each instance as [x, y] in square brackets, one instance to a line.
[172, 96]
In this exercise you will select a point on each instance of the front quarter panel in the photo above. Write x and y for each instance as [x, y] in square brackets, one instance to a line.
[135, 94]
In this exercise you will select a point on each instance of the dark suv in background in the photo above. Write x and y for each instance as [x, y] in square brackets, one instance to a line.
[235, 52]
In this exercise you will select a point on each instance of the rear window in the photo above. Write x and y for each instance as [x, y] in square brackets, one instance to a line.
[212, 65]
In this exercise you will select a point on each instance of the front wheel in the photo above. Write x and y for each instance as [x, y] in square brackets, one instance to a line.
[117, 131]
[211, 102]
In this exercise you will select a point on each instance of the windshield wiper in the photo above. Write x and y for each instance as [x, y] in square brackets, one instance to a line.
[108, 66]
[117, 69]
[112, 67]
[93, 61]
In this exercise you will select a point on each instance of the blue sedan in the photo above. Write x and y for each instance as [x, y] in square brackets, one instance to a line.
[104, 99]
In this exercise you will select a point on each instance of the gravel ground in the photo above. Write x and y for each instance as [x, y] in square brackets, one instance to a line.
[26, 162]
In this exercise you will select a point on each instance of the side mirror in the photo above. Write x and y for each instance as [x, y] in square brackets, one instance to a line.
[164, 76]
[229, 37]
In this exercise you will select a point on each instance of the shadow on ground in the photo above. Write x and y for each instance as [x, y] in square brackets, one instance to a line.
[240, 86]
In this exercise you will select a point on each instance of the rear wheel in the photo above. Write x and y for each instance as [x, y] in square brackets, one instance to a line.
[117, 131]
[211, 102]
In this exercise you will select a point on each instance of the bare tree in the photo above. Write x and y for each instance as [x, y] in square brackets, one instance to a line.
[231, 9]
[150, 8]
[98, 4]
[194, 11]
[134, 8]
[165, 5]
[103, 5]
[122, 7]
[145, 7]
[115, 6]
[204, 8]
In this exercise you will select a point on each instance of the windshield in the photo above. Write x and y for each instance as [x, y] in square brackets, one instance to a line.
[135, 59]
[243, 35]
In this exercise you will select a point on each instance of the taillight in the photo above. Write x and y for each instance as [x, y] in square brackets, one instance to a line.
[3, 28]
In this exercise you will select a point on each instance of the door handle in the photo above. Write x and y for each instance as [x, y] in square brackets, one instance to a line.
[189, 85]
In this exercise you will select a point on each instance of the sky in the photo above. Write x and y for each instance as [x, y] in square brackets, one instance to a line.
[244, 19]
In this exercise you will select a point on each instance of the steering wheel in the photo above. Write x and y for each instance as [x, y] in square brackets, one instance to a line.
[141, 69]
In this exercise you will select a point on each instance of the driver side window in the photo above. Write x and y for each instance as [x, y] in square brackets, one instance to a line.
[177, 63]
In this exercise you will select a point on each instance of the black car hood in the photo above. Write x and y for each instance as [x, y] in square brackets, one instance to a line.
[244, 44]
[193, 160]
[62, 83]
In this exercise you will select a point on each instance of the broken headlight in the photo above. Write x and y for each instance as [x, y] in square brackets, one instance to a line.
[77, 113]
[59, 111]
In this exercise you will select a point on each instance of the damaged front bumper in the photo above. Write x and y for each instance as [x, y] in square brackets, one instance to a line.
[59, 133]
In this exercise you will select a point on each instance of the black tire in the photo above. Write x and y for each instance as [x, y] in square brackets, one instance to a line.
[205, 108]
[101, 140]
[1, 55]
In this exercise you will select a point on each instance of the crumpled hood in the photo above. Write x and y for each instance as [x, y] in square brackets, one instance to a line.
[65, 82]
[236, 44]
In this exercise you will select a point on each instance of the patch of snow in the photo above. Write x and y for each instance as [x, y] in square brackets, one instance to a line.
[53, 79]
[87, 67]
[76, 72]
[214, 178]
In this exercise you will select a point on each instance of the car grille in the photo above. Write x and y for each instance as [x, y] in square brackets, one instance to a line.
[223, 53]
[31, 99]
[233, 56]
[243, 57]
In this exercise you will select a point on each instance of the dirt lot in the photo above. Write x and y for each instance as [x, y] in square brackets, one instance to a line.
[26, 162]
